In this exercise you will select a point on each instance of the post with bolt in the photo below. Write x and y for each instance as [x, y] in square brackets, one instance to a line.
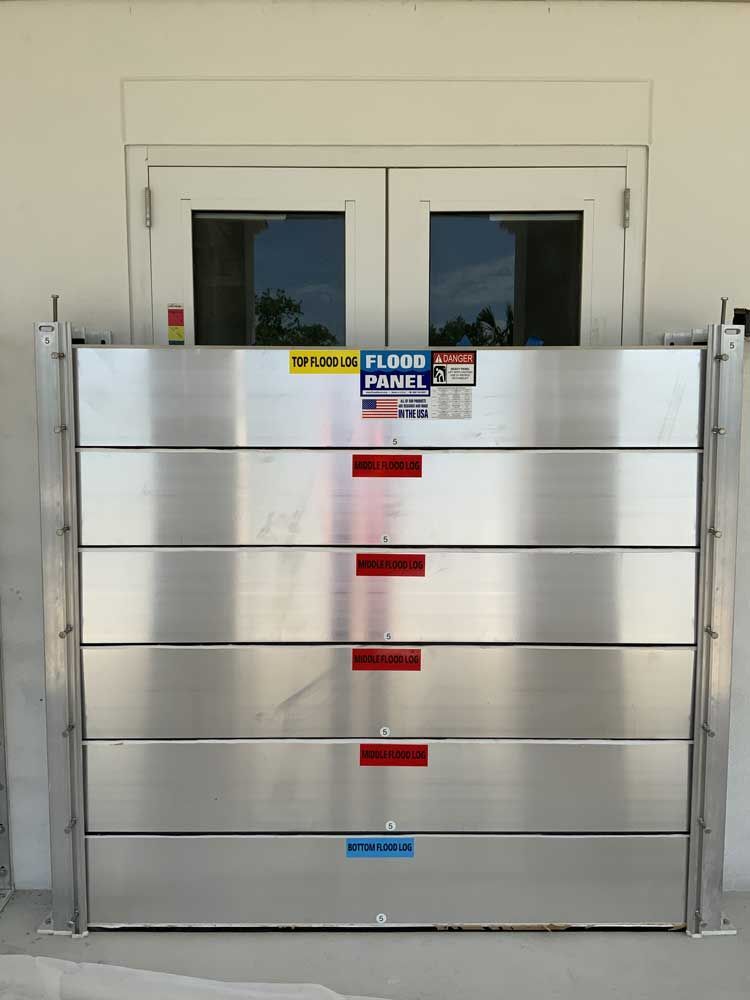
[59, 537]
[718, 538]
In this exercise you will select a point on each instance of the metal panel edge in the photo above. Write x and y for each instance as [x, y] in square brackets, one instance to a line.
[59, 542]
[723, 405]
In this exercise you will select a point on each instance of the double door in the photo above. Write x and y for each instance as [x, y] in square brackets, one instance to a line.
[330, 257]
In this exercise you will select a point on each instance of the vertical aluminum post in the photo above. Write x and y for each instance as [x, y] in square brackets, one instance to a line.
[6, 877]
[718, 543]
[59, 536]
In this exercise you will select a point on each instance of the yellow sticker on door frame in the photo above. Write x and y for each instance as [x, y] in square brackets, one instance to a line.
[324, 362]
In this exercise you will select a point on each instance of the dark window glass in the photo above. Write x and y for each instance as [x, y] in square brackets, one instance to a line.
[269, 278]
[502, 279]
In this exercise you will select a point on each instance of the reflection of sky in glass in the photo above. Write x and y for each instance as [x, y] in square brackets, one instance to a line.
[304, 255]
[471, 266]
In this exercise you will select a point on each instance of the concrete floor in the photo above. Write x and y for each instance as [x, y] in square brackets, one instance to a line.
[589, 965]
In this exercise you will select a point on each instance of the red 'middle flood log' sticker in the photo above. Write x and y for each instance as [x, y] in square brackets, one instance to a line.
[386, 659]
[387, 466]
[398, 564]
[393, 754]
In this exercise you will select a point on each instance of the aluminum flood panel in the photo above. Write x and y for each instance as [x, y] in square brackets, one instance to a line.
[247, 575]
[484, 880]
[315, 595]
[295, 497]
[317, 786]
[161, 692]
[524, 398]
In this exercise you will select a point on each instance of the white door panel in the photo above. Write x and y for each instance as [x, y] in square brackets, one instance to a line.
[265, 197]
[594, 196]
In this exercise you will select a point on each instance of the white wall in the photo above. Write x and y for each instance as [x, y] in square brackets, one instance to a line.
[63, 215]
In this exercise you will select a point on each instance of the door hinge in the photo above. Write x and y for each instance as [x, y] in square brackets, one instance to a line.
[147, 206]
[626, 208]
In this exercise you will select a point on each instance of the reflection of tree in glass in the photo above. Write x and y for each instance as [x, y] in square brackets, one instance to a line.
[485, 331]
[278, 320]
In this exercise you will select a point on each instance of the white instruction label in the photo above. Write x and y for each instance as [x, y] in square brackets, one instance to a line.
[450, 403]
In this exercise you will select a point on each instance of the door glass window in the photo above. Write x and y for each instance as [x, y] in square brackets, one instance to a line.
[504, 279]
[269, 278]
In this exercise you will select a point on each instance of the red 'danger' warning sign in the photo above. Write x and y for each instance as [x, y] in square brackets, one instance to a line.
[398, 564]
[387, 466]
[454, 368]
[386, 659]
[393, 754]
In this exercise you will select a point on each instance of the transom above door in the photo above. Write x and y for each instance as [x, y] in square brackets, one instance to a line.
[259, 256]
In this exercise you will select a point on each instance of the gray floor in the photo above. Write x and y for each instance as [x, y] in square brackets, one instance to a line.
[434, 966]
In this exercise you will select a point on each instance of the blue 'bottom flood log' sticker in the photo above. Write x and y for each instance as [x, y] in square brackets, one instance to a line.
[380, 847]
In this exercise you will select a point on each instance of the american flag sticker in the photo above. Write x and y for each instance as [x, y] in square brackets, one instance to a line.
[380, 409]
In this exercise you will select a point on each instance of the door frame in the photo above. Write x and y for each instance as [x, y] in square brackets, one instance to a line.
[138, 160]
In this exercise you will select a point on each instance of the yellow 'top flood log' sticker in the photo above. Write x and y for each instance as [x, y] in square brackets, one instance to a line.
[331, 362]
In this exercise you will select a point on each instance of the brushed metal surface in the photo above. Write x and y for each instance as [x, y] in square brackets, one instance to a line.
[203, 881]
[317, 786]
[312, 595]
[574, 741]
[162, 692]
[235, 397]
[295, 497]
